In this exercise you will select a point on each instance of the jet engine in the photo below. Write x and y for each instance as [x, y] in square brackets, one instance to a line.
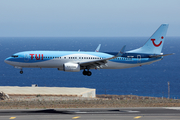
[71, 67]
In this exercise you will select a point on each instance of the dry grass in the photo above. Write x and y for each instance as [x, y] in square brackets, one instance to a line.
[102, 101]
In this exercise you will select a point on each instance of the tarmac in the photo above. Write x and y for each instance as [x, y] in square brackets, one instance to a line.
[172, 113]
[48, 91]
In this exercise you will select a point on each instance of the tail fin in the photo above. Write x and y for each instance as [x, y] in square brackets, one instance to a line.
[155, 42]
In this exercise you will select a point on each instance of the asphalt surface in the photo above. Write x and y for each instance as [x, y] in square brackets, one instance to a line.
[92, 114]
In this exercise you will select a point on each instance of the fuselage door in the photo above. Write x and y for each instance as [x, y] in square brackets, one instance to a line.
[26, 57]
[138, 58]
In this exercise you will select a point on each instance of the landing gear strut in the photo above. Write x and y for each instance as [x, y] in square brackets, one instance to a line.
[21, 72]
[88, 73]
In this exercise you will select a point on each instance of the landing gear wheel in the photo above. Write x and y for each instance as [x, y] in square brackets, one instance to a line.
[89, 73]
[21, 72]
[84, 72]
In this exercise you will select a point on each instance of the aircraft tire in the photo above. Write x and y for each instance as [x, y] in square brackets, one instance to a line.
[21, 72]
[89, 73]
[84, 72]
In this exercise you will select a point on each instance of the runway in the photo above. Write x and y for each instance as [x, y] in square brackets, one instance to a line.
[92, 114]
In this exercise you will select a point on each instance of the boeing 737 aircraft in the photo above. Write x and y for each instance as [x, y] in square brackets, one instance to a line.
[74, 61]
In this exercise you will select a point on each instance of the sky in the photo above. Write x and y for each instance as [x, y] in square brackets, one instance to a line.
[87, 18]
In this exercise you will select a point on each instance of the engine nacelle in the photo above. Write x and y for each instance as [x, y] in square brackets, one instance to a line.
[71, 67]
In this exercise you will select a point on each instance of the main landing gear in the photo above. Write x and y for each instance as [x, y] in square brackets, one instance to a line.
[21, 72]
[88, 73]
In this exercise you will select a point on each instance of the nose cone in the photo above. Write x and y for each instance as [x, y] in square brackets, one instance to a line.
[7, 60]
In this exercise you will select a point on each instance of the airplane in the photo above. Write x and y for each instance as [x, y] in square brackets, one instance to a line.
[75, 61]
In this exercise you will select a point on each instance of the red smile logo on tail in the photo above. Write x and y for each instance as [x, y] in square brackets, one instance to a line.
[156, 45]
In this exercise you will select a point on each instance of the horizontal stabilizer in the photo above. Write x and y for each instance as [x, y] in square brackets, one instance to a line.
[156, 56]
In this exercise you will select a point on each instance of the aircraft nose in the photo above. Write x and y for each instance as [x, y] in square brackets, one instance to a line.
[7, 60]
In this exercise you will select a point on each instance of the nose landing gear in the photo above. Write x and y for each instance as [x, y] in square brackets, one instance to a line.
[21, 72]
[88, 73]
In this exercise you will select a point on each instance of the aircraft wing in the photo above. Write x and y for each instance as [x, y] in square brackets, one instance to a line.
[96, 64]
[156, 56]
[102, 62]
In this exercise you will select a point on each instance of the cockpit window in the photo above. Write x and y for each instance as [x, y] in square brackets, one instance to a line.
[15, 56]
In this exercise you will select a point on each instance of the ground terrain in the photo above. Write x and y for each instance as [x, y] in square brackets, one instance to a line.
[101, 101]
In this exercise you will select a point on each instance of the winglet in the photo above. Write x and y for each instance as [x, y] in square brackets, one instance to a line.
[97, 49]
[121, 51]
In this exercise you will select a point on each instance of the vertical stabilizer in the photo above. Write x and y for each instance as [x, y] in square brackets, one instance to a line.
[155, 42]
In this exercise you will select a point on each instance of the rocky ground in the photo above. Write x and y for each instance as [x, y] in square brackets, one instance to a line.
[101, 101]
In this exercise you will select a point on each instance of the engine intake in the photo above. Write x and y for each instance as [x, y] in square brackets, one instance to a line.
[71, 67]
